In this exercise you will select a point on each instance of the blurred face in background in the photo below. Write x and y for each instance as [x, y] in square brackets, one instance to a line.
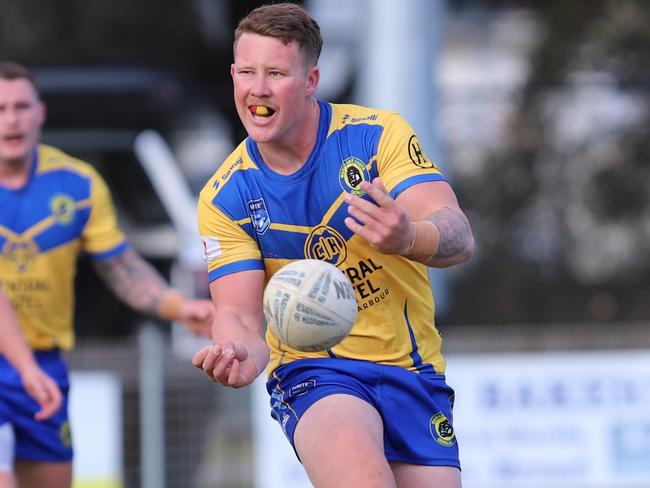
[21, 117]
[272, 88]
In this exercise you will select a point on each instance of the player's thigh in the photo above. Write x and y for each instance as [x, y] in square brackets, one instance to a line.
[52, 475]
[417, 476]
[339, 440]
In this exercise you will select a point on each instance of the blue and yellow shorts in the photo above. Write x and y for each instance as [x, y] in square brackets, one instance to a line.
[36, 440]
[416, 408]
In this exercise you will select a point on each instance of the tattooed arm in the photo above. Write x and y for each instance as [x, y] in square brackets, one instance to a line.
[138, 284]
[448, 232]
[424, 223]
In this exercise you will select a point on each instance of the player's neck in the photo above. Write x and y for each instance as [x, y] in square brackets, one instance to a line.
[15, 173]
[290, 154]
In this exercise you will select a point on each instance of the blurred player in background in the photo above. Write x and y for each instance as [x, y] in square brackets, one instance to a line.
[350, 185]
[52, 207]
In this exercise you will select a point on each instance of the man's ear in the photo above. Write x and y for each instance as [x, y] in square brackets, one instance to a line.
[313, 78]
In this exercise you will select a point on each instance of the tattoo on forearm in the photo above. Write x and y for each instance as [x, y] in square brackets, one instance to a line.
[134, 281]
[454, 232]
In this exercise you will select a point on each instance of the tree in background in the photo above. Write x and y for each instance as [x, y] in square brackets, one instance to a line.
[562, 212]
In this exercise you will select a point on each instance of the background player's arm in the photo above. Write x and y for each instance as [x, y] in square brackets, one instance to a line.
[138, 284]
[14, 347]
[424, 223]
[239, 352]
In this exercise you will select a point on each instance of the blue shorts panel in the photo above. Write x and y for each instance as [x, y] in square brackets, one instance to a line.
[36, 440]
[416, 408]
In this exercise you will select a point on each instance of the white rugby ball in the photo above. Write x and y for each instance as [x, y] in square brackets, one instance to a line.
[310, 305]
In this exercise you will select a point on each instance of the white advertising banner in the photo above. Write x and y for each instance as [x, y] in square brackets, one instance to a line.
[528, 420]
[95, 408]
[564, 420]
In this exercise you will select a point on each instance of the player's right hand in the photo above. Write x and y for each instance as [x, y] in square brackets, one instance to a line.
[226, 363]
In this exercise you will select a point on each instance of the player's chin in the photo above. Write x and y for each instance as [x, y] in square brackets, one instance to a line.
[260, 134]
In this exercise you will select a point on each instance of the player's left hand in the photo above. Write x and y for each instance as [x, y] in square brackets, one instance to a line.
[383, 223]
[44, 390]
[197, 316]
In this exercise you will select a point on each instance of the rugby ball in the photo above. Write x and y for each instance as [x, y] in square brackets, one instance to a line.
[310, 305]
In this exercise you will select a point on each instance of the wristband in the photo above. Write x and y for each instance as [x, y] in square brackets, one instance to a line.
[171, 305]
[426, 239]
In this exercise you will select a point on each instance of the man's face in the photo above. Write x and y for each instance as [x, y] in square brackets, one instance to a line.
[272, 87]
[21, 117]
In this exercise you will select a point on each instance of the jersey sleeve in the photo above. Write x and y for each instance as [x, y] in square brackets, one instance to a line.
[401, 160]
[101, 237]
[226, 246]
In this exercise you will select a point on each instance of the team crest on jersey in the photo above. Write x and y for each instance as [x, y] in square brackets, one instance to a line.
[416, 154]
[351, 174]
[326, 244]
[21, 253]
[259, 215]
[63, 209]
[442, 430]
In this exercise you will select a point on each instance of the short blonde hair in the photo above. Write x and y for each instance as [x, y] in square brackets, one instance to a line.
[287, 22]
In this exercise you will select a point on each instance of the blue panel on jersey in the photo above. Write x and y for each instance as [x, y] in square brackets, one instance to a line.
[60, 234]
[38, 204]
[100, 256]
[413, 180]
[247, 265]
[312, 190]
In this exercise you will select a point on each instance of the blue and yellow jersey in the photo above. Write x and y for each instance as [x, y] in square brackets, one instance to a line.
[63, 208]
[250, 217]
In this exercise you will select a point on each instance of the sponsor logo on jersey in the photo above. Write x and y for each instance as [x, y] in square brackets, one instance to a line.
[442, 430]
[21, 253]
[347, 118]
[227, 174]
[416, 154]
[63, 209]
[259, 215]
[369, 288]
[211, 248]
[351, 174]
[326, 244]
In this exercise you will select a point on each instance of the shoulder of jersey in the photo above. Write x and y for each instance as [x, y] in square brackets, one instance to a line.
[348, 114]
[236, 161]
[52, 159]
